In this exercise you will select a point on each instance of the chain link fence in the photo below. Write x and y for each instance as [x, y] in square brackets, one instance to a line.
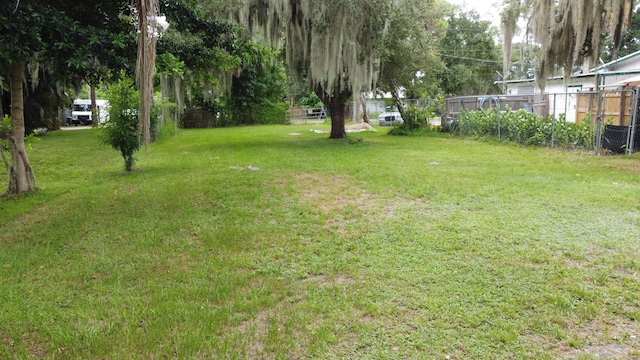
[603, 121]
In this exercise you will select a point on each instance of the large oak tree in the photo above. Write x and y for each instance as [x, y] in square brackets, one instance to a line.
[329, 44]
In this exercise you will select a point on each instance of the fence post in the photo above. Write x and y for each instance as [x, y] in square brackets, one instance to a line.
[632, 127]
[553, 122]
[599, 116]
[499, 125]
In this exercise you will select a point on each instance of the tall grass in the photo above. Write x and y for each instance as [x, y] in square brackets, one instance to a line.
[274, 242]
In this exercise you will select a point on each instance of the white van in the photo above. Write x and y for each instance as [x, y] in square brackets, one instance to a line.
[81, 112]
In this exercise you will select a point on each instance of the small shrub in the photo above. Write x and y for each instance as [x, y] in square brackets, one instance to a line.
[416, 122]
[273, 113]
[121, 130]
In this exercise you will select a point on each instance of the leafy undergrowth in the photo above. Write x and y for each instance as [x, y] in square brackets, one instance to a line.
[274, 242]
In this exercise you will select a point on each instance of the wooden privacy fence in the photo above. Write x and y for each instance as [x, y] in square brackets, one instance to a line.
[614, 107]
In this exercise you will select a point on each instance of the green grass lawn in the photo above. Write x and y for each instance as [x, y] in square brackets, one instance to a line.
[276, 243]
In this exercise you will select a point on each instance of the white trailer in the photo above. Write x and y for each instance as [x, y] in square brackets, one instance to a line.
[81, 112]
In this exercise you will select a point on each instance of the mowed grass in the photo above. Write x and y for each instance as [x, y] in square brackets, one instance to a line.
[276, 243]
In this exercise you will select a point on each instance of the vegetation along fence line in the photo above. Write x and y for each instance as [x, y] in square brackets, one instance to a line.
[603, 121]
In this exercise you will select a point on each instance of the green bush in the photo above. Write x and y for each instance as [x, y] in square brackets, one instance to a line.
[416, 122]
[310, 101]
[272, 114]
[121, 130]
[526, 128]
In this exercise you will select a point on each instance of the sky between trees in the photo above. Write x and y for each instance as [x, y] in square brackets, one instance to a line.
[488, 9]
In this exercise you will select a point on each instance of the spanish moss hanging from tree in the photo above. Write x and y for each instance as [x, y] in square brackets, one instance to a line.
[569, 31]
[331, 45]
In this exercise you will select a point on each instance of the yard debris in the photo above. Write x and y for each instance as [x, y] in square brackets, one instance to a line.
[349, 128]
[240, 168]
[363, 126]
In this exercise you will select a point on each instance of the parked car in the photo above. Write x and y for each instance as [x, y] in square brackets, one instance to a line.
[389, 118]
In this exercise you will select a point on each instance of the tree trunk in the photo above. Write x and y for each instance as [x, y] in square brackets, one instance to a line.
[365, 112]
[336, 105]
[21, 177]
[145, 65]
[356, 110]
[94, 112]
[397, 101]
[337, 121]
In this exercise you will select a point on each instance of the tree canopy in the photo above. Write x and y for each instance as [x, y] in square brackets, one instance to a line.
[470, 54]
[409, 57]
[570, 32]
[331, 45]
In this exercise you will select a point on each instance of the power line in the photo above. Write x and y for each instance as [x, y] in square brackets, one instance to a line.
[469, 58]
[468, 51]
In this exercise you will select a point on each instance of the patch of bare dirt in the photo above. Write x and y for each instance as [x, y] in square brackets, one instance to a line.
[333, 194]
[624, 164]
[613, 339]
[7, 340]
[254, 331]
[35, 348]
[345, 204]
[323, 280]
[630, 273]
[127, 191]
[609, 351]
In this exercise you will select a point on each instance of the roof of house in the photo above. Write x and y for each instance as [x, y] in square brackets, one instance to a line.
[604, 68]
[622, 60]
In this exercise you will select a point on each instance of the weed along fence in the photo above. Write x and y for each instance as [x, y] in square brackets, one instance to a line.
[300, 115]
[601, 120]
